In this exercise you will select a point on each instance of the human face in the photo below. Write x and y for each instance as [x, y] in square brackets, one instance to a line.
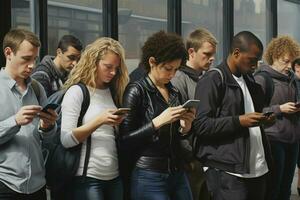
[283, 64]
[20, 64]
[297, 70]
[247, 61]
[107, 68]
[203, 57]
[69, 58]
[164, 72]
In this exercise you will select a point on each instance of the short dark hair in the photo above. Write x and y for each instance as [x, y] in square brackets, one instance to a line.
[15, 37]
[295, 62]
[69, 40]
[243, 40]
[164, 47]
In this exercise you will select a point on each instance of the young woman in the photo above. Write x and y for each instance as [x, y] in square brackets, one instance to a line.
[102, 69]
[151, 133]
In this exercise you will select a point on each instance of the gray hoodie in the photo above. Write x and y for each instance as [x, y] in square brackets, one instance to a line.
[287, 126]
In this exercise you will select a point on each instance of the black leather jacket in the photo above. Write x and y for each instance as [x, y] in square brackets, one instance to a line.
[140, 143]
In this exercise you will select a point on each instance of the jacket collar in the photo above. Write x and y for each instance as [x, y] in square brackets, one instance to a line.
[192, 73]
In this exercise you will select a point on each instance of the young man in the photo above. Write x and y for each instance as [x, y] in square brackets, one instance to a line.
[201, 47]
[52, 72]
[22, 123]
[232, 145]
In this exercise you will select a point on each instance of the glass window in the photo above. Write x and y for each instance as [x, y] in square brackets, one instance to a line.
[250, 15]
[288, 18]
[22, 14]
[206, 14]
[138, 19]
[82, 19]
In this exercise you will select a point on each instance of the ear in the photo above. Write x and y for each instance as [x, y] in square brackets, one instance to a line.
[152, 61]
[191, 52]
[58, 52]
[8, 53]
[236, 52]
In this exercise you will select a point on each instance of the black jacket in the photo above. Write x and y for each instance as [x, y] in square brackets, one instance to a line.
[50, 78]
[287, 126]
[224, 143]
[138, 138]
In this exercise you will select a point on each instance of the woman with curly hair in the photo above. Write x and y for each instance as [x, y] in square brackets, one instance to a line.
[284, 134]
[151, 133]
[102, 69]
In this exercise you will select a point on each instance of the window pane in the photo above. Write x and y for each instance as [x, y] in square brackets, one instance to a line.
[82, 19]
[22, 14]
[138, 19]
[206, 14]
[250, 15]
[288, 18]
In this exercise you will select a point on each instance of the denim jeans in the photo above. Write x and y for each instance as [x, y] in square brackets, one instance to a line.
[151, 185]
[285, 158]
[94, 189]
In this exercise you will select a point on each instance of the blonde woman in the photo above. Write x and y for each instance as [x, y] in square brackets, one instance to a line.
[102, 69]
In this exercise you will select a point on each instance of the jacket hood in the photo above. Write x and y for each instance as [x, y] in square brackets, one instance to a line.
[192, 73]
[275, 74]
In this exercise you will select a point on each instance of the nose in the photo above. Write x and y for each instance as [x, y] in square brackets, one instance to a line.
[31, 65]
[74, 62]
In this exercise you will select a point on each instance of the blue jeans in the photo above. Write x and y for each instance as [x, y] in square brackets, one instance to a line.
[285, 158]
[94, 189]
[151, 185]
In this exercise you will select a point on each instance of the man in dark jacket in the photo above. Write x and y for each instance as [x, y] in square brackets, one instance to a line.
[231, 144]
[52, 71]
[201, 47]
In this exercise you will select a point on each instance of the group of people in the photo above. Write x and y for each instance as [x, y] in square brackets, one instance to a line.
[240, 142]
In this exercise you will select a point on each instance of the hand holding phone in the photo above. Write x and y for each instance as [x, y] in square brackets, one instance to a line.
[122, 111]
[52, 106]
[268, 113]
[297, 104]
[193, 103]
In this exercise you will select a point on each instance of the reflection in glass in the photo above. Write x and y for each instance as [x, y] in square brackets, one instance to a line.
[138, 19]
[250, 15]
[288, 19]
[206, 14]
[82, 19]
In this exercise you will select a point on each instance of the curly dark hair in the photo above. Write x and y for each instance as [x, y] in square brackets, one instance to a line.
[164, 47]
[281, 46]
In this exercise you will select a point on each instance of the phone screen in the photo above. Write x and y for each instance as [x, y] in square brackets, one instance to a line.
[52, 106]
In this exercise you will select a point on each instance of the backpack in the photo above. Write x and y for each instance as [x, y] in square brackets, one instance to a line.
[269, 90]
[61, 164]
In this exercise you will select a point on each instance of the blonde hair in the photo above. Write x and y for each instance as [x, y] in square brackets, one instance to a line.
[86, 69]
[281, 46]
[198, 37]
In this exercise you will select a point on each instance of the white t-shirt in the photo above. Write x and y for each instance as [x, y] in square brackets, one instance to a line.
[103, 162]
[258, 164]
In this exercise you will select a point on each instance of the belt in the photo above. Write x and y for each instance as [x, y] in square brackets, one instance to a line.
[160, 164]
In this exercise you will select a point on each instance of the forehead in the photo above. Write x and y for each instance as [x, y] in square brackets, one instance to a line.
[206, 46]
[26, 48]
[254, 51]
[72, 50]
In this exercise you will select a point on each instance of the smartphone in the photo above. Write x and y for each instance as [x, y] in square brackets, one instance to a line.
[52, 106]
[297, 104]
[191, 103]
[268, 113]
[122, 111]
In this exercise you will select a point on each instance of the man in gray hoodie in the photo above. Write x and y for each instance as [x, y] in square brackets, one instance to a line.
[52, 71]
[201, 47]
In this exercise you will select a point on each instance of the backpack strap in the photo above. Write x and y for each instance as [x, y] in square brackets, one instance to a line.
[84, 106]
[220, 72]
[269, 86]
[36, 88]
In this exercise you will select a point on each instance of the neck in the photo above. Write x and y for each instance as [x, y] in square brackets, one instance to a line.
[155, 82]
[20, 81]
[191, 65]
[57, 64]
[232, 67]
